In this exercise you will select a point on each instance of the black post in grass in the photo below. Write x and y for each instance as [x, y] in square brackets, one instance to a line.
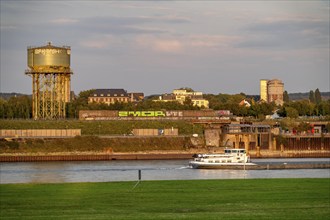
[139, 178]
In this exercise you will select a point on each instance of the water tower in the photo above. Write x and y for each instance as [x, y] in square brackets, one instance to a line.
[49, 68]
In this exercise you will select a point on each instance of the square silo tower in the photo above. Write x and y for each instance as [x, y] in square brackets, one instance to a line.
[263, 90]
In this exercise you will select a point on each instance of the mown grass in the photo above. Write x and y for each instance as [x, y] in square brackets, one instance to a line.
[193, 199]
[117, 127]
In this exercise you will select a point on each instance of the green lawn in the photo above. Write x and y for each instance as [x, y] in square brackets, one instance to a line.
[111, 127]
[193, 199]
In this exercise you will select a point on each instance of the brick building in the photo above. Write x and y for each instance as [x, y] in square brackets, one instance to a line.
[111, 96]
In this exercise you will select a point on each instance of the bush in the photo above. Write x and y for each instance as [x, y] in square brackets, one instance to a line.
[13, 145]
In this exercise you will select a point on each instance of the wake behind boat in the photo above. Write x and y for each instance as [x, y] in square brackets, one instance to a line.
[231, 158]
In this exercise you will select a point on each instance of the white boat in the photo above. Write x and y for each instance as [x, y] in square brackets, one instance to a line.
[231, 158]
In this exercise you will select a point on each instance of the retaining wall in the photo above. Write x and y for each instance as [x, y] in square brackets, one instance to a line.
[40, 133]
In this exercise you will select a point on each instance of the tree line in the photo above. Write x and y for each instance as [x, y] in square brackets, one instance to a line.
[21, 106]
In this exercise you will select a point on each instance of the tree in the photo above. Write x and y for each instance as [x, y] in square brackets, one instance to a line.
[291, 112]
[188, 89]
[323, 108]
[311, 96]
[3, 104]
[303, 126]
[318, 98]
[286, 96]
[188, 102]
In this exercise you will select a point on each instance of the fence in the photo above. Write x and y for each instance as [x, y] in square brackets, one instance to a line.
[40, 133]
[155, 132]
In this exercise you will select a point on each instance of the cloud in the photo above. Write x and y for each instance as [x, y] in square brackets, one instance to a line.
[166, 45]
[287, 34]
[211, 41]
[141, 6]
[185, 43]
[8, 27]
[113, 25]
[102, 41]
[64, 21]
[97, 44]
[171, 19]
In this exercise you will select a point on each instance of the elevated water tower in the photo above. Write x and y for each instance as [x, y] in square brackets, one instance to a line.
[49, 68]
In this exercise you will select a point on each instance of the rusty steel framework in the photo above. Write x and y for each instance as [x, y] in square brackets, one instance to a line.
[49, 68]
[49, 94]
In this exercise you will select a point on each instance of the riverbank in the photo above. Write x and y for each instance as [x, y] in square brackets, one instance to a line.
[188, 199]
[153, 155]
[82, 148]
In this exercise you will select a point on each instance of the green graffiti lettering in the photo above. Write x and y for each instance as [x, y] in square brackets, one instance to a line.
[147, 113]
[134, 114]
[141, 114]
[159, 113]
[122, 114]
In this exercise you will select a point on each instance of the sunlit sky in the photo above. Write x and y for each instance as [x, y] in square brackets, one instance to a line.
[157, 46]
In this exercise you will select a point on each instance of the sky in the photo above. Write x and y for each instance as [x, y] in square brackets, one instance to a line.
[157, 46]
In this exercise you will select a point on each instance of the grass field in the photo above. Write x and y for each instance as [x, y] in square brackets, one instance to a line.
[193, 199]
[116, 127]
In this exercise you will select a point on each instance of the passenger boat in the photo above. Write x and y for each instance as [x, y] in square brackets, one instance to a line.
[231, 158]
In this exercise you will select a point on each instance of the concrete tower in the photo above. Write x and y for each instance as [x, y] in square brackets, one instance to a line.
[263, 89]
[275, 88]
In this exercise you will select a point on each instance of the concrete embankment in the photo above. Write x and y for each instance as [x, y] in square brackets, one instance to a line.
[94, 157]
[275, 166]
[141, 156]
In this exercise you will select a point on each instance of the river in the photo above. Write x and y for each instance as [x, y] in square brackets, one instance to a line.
[111, 171]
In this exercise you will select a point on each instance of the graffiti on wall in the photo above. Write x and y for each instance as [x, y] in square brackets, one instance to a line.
[141, 114]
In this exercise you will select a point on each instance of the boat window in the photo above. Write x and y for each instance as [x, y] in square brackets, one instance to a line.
[229, 161]
[216, 161]
[210, 161]
[223, 161]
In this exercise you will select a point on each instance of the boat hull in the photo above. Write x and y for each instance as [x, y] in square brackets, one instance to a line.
[201, 165]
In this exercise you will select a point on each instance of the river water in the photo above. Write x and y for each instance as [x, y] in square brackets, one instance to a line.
[111, 171]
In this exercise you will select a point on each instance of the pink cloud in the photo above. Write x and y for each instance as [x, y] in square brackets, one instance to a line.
[168, 46]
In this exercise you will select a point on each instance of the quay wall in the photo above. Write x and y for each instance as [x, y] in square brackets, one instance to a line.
[150, 156]
[126, 148]
[95, 157]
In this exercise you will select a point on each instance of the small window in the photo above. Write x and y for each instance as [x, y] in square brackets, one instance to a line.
[101, 94]
[122, 94]
[95, 95]
[115, 95]
[108, 94]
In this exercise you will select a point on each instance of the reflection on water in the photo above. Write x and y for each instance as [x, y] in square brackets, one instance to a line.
[105, 171]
